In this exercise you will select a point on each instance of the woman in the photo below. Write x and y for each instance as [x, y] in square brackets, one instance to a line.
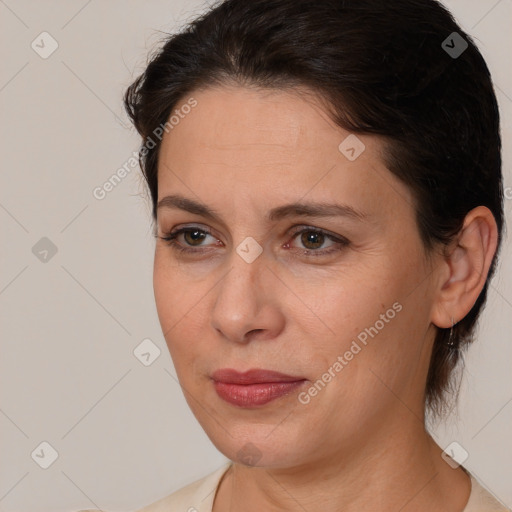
[327, 197]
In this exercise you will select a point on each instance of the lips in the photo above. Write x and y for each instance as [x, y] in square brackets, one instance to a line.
[254, 387]
[256, 376]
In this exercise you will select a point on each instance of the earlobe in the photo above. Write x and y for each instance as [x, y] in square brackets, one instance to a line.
[468, 266]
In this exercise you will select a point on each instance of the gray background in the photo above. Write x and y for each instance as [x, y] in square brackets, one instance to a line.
[70, 323]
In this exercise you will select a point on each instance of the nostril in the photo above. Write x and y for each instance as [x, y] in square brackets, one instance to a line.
[253, 334]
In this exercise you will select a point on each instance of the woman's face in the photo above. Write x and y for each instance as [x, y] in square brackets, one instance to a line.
[339, 299]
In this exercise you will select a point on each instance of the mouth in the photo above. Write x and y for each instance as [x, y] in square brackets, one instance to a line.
[254, 387]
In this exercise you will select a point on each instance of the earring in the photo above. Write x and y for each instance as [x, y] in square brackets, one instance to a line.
[450, 343]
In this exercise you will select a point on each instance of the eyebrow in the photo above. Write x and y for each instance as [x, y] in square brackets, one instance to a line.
[308, 209]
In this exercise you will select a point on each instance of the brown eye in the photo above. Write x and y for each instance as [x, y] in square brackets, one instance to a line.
[312, 242]
[312, 239]
[188, 240]
[194, 237]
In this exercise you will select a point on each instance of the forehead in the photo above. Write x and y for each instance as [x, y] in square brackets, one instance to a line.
[249, 142]
[236, 115]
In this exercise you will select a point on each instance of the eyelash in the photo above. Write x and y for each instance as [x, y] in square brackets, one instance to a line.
[170, 239]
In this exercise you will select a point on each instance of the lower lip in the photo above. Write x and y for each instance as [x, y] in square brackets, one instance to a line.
[252, 395]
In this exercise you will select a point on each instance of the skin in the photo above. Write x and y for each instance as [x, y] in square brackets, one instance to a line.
[360, 443]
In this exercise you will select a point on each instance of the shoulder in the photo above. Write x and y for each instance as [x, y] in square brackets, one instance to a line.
[198, 497]
[195, 497]
[481, 500]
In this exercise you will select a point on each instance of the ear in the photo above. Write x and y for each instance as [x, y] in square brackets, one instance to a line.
[464, 268]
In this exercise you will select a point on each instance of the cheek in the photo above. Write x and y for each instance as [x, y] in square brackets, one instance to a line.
[379, 335]
[175, 293]
[180, 303]
[348, 300]
[163, 286]
[171, 301]
[361, 316]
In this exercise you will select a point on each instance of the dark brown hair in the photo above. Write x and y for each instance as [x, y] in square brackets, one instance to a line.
[388, 68]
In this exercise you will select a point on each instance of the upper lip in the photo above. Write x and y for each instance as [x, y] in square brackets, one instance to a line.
[253, 376]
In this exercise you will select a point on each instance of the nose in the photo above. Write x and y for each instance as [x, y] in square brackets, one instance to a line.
[246, 304]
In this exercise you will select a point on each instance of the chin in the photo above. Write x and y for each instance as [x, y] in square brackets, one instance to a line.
[257, 445]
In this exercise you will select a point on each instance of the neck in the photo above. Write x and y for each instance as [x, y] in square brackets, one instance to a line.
[394, 469]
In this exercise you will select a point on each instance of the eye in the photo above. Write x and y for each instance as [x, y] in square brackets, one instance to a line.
[192, 237]
[313, 239]
[190, 240]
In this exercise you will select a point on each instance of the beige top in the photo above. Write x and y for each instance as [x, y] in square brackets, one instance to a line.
[199, 495]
